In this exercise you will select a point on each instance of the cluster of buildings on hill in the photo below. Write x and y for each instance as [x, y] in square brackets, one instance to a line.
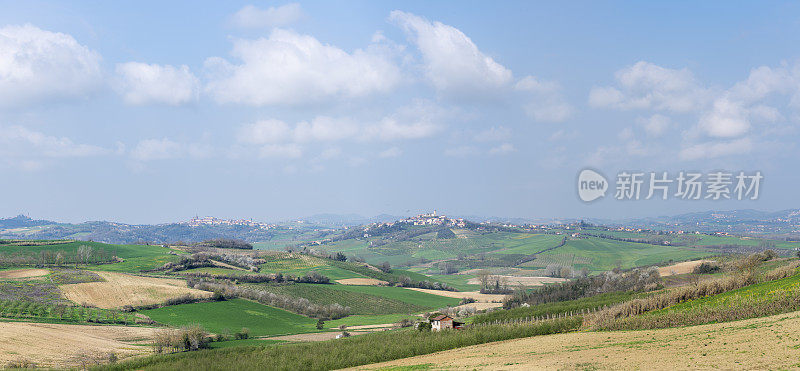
[430, 219]
[211, 221]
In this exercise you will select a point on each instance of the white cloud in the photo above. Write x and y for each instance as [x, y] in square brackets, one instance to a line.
[648, 86]
[716, 149]
[253, 17]
[392, 128]
[502, 149]
[40, 65]
[391, 153]
[264, 131]
[452, 62]
[165, 149]
[414, 122]
[726, 119]
[291, 150]
[493, 134]
[462, 151]
[30, 150]
[325, 129]
[546, 102]
[17, 141]
[289, 68]
[142, 83]
[655, 125]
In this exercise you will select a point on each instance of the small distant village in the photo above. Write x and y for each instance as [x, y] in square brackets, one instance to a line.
[212, 221]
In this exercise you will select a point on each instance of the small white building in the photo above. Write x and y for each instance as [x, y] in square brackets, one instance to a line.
[441, 322]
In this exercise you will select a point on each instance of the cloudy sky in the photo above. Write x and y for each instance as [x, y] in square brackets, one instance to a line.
[148, 112]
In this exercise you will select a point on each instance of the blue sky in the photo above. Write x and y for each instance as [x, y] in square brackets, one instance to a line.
[148, 112]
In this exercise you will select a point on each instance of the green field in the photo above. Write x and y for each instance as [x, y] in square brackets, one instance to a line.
[378, 319]
[421, 299]
[597, 254]
[457, 281]
[233, 315]
[530, 244]
[365, 299]
[136, 257]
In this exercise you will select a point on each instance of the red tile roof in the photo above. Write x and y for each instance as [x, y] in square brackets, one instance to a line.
[440, 318]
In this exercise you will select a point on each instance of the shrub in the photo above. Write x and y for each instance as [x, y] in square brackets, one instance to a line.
[706, 268]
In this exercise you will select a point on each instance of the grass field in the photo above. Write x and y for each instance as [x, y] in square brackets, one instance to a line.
[362, 320]
[457, 281]
[232, 316]
[604, 254]
[420, 299]
[137, 257]
[365, 299]
[530, 244]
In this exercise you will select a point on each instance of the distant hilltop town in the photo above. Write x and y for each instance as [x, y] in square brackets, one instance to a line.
[429, 219]
[210, 221]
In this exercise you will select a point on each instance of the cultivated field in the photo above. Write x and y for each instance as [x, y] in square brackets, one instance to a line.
[120, 289]
[362, 282]
[232, 315]
[523, 280]
[483, 298]
[63, 346]
[680, 268]
[725, 345]
[12, 274]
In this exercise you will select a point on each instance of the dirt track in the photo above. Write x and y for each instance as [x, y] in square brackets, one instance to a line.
[62, 346]
[760, 343]
[123, 289]
[22, 273]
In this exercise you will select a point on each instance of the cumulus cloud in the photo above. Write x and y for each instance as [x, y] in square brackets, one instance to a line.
[390, 153]
[29, 150]
[502, 149]
[165, 149]
[253, 17]
[290, 150]
[19, 141]
[289, 68]
[655, 125]
[716, 149]
[648, 86]
[452, 62]
[142, 83]
[545, 100]
[329, 129]
[38, 65]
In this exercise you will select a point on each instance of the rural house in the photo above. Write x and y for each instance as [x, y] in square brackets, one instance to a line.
[441, 322]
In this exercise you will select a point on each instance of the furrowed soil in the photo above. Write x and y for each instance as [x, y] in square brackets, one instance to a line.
[123, 289]
[68, 346]
[483, 298]
[362, 282]
[523, 280]
[758, 343]
[22, 273]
